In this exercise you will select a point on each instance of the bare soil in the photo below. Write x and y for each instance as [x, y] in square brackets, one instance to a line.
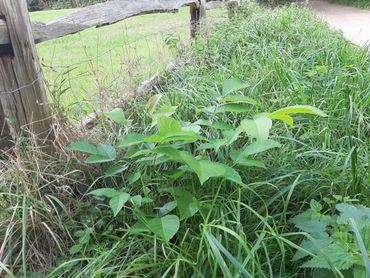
[354, 23]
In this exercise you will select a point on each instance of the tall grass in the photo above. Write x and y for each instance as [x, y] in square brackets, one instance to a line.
[287, 57]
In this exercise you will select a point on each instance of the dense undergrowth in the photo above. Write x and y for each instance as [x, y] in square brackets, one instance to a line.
[195, 200]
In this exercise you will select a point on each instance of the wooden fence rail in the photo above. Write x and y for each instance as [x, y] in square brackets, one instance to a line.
[23, 100]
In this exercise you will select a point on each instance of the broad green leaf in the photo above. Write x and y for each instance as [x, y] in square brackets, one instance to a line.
[130, 139]
[115, 170]
[172, 153]
[182, 136]
[165, 110]
[260, 146]
[238, 157]
[337, 255]
[83, 146]
[118, 201]
[215, 125]
[167, 126]
[137, 200]
[178, 136]
[238, 99]
[231, 136]
[186, 203]
[155, 138]
[360, 272]
[105, 153]
[97, 159]
[75, 249]
[319, 245]
[167, 208]
[132, 178]
[284, 114]
[206, 169]
[118, 116]
[312, 226]
[360, 214]
[258, 128]
[164, 227]
[104, 192]
[232, 85]
[232, 107]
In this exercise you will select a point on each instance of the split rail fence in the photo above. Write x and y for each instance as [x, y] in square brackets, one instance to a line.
[23, 99]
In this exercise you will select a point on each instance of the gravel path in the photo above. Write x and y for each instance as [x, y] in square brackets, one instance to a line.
[353, 22]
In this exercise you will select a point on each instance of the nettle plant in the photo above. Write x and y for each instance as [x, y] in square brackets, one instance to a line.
[178, 147]
[338, 238]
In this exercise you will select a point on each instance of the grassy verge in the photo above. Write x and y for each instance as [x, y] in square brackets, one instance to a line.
[98, 65]
[354, 3]
[190, 207]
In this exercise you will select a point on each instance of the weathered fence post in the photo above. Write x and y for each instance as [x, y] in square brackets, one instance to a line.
[197, 14]
[232, 6]
[23, 100]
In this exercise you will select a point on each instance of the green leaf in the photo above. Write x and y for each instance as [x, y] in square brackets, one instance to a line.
[118, 201]
[118, 116]
[238, 157]
[336, 254]
[312, 226]
[75, 249]
[260, 146]
[359, 213]
[130, 139]
[319, 245]
[105, 153]
[232, 107]
[186, 203]
[215, 125]
[164, 227]
[360, 272]
[83, 146]
[137, 200]
[284, 114]
[238, 99]
[115, 170]
[206, 169]
[258, 128]
[232, 85]
[132, 178]
[104, 192]
[167, 208]
[168, 126]
[165, 110]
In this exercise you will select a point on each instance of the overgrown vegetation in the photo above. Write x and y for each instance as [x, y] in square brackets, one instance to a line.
[36, 5]
[210, 176]
[354, 3]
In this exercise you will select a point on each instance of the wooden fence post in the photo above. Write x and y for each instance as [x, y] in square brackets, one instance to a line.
[232, 6]
[23, 100]
[197, 14]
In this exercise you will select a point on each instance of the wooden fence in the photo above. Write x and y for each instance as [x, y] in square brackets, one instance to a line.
[23, 101]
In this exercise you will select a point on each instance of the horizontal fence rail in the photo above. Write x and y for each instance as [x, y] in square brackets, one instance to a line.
[24, 107]
[101, 15]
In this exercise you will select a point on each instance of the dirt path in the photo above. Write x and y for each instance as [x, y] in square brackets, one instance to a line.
[353, 22]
